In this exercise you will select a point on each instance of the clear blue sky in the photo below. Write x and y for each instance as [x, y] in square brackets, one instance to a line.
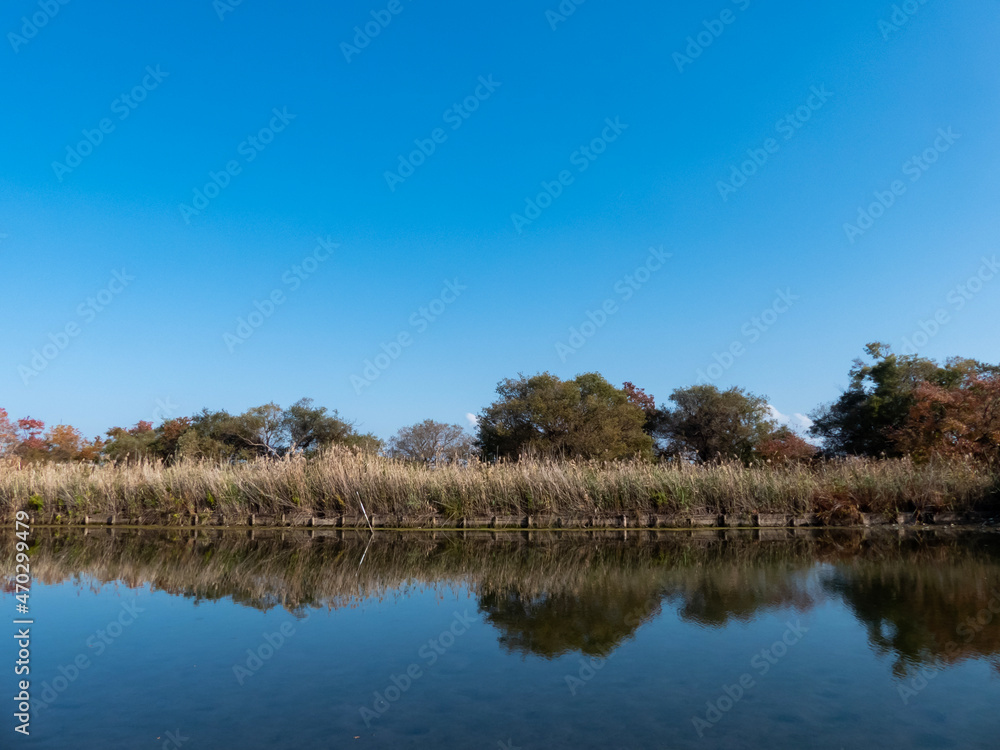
[684, 125]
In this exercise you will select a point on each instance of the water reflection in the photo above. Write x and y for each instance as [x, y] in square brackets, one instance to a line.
[924, 598]
[928, 602]
[594, 621]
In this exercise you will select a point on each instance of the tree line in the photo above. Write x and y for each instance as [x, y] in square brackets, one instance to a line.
[894, 406]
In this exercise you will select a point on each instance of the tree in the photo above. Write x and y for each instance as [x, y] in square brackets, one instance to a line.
[132, 444]
[875, 405]
[644, 401]
[956, 420]
[309, 427]
[908, 404]
[363, 443]
[268, 431]
[30, 445]
[784, 446]
[8, 434]
[706, 424]
[65, 443]
[263, 430]
[215, 435]
[145, 442]
[168, 436]
[431, 442]
[585, 417]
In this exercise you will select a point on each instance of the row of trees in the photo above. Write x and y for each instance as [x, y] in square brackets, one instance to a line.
[28, 439]
[263, 431]
[894, 406]
[587, 417]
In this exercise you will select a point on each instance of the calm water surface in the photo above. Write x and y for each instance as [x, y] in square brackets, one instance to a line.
[189, 640]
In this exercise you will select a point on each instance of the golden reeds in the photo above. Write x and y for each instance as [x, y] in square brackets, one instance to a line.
[335, 481]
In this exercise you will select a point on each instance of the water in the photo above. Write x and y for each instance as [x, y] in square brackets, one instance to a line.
[287, 640]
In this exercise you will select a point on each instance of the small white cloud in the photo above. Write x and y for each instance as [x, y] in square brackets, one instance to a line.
[473, 419]
[804, 422]
[797, 422]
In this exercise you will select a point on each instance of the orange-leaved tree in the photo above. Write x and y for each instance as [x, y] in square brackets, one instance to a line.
[66, 443]
[960, 419]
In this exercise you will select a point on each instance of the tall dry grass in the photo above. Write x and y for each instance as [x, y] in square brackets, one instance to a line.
[334, 482]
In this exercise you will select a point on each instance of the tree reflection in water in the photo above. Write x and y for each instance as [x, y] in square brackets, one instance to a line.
[923, 597]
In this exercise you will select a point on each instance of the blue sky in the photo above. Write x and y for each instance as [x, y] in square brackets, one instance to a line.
[830, 100]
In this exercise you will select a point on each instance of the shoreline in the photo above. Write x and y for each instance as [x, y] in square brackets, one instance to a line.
[616, 522]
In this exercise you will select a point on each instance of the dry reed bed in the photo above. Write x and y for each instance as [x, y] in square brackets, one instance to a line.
[333, 483]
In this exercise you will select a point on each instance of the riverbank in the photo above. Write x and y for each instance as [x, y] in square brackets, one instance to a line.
[345, 490]
[762, 522]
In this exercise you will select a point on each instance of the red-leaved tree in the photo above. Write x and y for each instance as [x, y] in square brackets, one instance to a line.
[956, 420]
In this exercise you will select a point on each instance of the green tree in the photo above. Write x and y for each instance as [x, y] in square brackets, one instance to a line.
[269, 431]
[143, 442]
[364, 442]
[217, 435]
[877, 403]
[309, 428]
[586, 417]
[706, 424]
[134, 444]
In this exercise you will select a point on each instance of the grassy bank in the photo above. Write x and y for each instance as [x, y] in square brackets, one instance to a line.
[335, 482]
